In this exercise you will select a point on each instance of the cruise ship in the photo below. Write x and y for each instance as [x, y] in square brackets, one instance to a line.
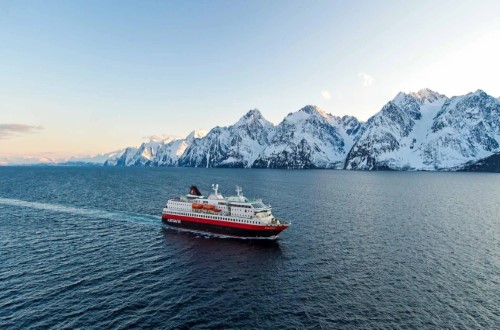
[235, 216]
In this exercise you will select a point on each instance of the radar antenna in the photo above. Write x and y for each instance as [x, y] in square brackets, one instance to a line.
[238, 191]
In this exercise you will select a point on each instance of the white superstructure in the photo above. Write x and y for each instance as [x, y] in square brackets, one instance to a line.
[237, 208]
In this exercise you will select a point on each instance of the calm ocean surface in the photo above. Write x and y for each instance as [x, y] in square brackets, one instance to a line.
[85, 248]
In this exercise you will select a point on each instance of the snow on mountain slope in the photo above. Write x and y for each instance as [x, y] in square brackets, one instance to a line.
[234, 146]
[304, 139]
[466, 129]
[171, 152]
[122, 159]
[95, 159]
[348, 127]
[428, 131]
[390, 136]
[146, 153]
[26, 160]
[164, 152]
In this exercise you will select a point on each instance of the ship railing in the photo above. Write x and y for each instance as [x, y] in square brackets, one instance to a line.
[275, 221]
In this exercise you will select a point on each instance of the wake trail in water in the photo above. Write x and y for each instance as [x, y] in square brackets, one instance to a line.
[92, 213]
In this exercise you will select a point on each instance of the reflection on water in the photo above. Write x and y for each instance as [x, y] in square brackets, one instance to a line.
[208, 242]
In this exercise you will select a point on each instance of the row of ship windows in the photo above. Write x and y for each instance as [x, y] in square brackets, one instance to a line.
[185, 206]
[222, 218]
[179, 204]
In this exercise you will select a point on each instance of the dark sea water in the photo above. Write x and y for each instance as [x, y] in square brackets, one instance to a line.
[85, 248]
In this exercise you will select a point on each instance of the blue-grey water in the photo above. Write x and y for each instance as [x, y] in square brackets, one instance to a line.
[85, 248]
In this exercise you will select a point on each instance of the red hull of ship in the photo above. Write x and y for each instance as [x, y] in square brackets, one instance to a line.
[221, 227]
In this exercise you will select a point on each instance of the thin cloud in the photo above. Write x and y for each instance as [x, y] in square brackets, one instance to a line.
[9, 130]
[366, 79]
[326, 94]
[164, 137]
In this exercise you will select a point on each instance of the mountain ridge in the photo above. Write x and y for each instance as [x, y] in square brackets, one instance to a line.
[422, 130]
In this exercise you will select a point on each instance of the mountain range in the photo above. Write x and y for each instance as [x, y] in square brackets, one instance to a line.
[417, 131]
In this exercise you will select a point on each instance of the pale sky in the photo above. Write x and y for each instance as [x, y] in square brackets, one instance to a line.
[84, 77]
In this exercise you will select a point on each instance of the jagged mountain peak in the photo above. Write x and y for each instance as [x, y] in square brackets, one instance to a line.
[427, 95]
[253, 113]
[313, 110]
[478, 98]
[479, 92]
[413, 104]
[253, 116]
[305, 113]
[196, 134]
[423, 96]
[156, 139]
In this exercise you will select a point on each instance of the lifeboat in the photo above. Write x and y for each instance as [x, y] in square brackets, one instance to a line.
[217, 210]
[208, 207]
[197, 206]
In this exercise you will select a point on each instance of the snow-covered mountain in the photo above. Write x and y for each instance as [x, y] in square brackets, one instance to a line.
[428, 131]
[233, 146]
[390, 136]
[124, 158]
[171, 152]
[164, 152]
[309, 138]
[94, 159]
[414, 131]
[467, 128]
[26, 160]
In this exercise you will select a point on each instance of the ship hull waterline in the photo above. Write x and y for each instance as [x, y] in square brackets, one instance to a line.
[195, 225]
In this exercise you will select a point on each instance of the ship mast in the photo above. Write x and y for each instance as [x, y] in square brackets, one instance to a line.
[215, 187]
